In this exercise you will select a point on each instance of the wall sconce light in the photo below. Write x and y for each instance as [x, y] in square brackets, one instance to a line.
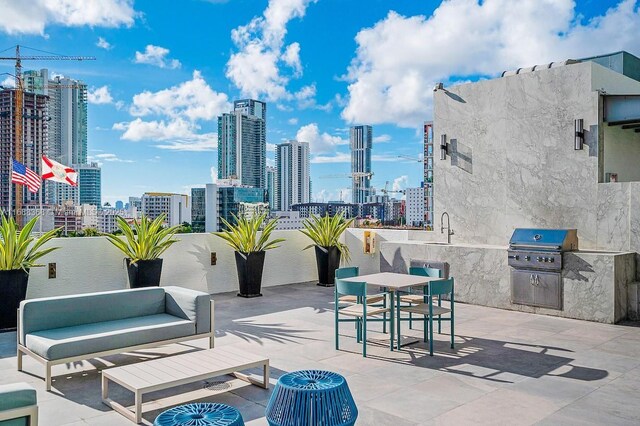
[579, 135]
[443, 147]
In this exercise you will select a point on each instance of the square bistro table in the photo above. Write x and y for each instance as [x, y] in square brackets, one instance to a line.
[394, 282]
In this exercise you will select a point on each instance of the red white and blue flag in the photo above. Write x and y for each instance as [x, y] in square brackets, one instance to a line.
[22, 175]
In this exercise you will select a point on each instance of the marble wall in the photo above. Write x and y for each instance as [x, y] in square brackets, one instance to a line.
[595, 283]
[519, 134]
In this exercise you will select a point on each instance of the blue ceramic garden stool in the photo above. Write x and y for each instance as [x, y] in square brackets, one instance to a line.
[311, 398]
[200, 414]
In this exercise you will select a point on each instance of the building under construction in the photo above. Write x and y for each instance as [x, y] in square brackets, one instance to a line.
[35, 142]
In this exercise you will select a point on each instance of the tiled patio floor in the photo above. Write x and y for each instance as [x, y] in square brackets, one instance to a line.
[507, 368]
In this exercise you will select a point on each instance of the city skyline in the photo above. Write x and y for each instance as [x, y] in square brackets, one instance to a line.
[156, 89]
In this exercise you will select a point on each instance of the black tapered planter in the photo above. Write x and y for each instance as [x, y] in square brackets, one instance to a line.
[144, 273]
[250, 266]
[13, 290]
[328, 260]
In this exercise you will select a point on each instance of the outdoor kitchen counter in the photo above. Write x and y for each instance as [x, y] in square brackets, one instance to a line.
[595, 283]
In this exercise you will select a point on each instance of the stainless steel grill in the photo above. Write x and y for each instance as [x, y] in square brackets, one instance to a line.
[535, 257]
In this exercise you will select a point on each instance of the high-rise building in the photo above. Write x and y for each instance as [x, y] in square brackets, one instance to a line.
[242, 143]
[361, 139]
[89, 184]
[415, 206]
[34, 142]
[292, 182]
[198, 209]
[271, 186]
[135, 206]
[174, 206]
[234, 199]
[119, 205]
[67, 125]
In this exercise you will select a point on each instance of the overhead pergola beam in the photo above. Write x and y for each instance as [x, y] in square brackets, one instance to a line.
[622, 110]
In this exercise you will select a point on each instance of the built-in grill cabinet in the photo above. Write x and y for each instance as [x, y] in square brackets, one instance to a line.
[535, 258]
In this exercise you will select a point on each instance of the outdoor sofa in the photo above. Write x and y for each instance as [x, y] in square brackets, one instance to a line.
[59, 330]
[18, 405]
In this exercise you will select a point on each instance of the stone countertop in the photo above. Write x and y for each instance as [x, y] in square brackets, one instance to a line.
[499, 247]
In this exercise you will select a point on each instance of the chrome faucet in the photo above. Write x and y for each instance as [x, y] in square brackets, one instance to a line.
[449, 230]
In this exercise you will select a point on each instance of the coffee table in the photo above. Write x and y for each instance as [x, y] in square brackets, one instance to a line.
[171, 371]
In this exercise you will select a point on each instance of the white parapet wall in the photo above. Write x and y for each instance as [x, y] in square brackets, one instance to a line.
[92, 264]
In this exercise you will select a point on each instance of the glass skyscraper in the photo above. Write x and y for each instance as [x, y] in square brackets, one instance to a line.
[292, 182]
[361, 139]
[242, 143]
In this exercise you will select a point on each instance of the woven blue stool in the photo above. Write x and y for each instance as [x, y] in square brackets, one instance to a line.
[311, 398]
[200, 414]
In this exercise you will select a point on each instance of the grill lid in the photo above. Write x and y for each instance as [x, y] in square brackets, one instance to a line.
[544, 239]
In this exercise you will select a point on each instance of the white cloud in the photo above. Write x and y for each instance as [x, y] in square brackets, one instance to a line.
[381, 138]
[157, 56]
[338, 157]
[293, 121]
[110, 158]
[319, 142]
[103, 44]
[174, 116]
[100, 95]
[192, 100]
[400, 183]
[255, 67]
[32, 17]
[8, 82]
[399, 59]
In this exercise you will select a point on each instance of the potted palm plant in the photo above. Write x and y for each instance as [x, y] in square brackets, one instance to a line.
[19, 252]
[242, 236]
[142, 246]
[325, 233]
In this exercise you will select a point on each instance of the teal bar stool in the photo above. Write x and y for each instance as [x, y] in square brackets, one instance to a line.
[358, 312]
[200, 414]
[428, 310]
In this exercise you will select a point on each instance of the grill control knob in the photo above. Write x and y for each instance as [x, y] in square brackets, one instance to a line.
[551, 259]
[539, 259]
[527, 258]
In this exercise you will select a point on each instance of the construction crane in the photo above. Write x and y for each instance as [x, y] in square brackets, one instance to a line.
[19, 106]
[348, 175]
[417, 160]
[386, 190]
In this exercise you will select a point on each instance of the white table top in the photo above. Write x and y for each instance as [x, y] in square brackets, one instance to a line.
[393, 281]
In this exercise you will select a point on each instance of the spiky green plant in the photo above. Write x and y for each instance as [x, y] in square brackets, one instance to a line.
[243, 235]
[146, 241]
[325, 231]
[18, 249]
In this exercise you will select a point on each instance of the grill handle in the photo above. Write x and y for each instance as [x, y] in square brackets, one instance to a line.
[534, 247]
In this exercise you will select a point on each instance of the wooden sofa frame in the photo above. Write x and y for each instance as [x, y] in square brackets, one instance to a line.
[23, 350]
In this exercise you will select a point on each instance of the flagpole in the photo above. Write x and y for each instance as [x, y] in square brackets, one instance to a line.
[41, 213]
[11, 188]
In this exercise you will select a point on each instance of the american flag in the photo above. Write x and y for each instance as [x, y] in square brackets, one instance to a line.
[24, 176]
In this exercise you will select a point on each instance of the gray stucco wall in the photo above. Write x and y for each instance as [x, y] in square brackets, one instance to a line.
[512, 161]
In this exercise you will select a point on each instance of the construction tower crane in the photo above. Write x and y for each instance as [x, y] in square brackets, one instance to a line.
[348, 175]
[417, 160]
[386, 190]
[19, 105]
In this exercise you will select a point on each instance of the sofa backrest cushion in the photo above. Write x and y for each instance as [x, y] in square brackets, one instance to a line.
[65, 311]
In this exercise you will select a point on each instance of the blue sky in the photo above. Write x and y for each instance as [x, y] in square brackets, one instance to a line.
[165, 71]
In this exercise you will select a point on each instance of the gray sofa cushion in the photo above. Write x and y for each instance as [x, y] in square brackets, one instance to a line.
[189, 304]
[66, 311]
[84, 339]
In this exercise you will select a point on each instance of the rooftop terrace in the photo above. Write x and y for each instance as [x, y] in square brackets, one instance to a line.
[508, 367]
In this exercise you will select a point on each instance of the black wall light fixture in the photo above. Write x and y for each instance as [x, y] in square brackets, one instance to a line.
[443, 147]
[579, 135]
